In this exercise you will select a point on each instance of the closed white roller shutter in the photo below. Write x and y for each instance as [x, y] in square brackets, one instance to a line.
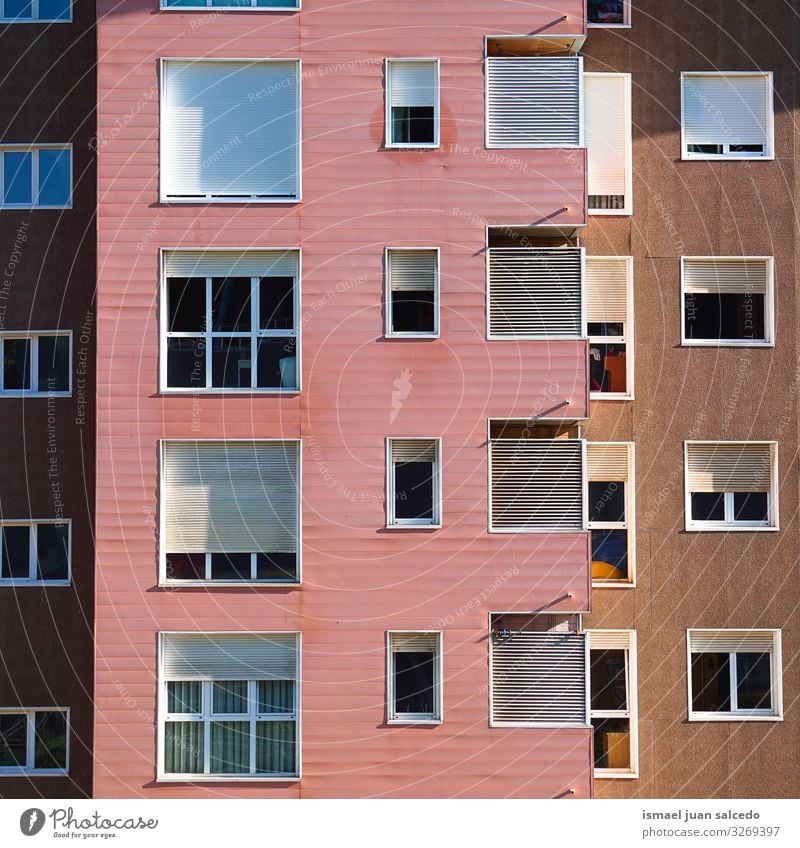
[610, 640]
[607, 289]
[728, 467]
[536, 292]
[708, 275]
[607, 133]
[539, 678]
[732, 641]
[412, 83]
[224, 656]
[414, 642]
[231, 263]
[722, 109]
[536, 484]
[412, 270]
[230, 129]
[413, 450]
[234, 497]
[534, 102]
[606, 461]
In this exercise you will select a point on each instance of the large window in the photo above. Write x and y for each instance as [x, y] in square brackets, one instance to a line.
[231, 321]
[36, 177]
[34, 741]
[731, 485]
[31, 11]
[735, 675]
[230, 131]
[727, 300]
[613, 702]
[727, 115]
[610, 504]
[34, 552]
[230, 512]
[412, 102]
[415, 678]
[414, 483]
[36, 363]
[412, 292]
[607, 113]
[609, 319]
[229, 706]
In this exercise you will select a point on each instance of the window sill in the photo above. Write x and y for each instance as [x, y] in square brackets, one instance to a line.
[23, 394]
[608, 213]
[411, 335]
[602, 774]
[400, 722]
[392, 146]
[732, 717]
[26, 207]
[726, 343]
[725, 157]
[23, 772]
[224, 778]
[608, 584]
[413, 526]
[18, 584]
[189, 392]
[226, 584]
[213, 201]
[36, 20]
[607, 26]
[609, 396]
[728, 528]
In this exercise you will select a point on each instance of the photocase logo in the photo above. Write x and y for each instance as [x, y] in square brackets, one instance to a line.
[31, 821]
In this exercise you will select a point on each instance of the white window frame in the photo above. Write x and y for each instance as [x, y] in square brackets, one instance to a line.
[31, 579]
[414, 523]
[769, 306]
[203, 5]
[438, 682]
[437, 106]
[208, 334]
[769, 147]
[728, 525]
[776, 681]
[207, 717]
[29, 770]
[35, 187]
[388, 332]
[33, 363]
[631, 699]
[626, 20]
[34, 18]
[162, 152]
[163, 580]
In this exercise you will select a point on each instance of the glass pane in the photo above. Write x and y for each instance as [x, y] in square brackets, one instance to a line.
[231, 364]
[17, 178]
[608, 680]
[186, 363]
[605, 329]
[287, 4]
[230, 696]
[708, 506]
[607, 367]
[230, 566]
[276, 566]
[183, 747]
[413, 312]
[276, 747]
[184, 696]
[605, 12]
[277, 363]
[230, 3]
[230, 747]
[16, 364]
[724, 316]
[186, 566]
[606, 501]
[50, 747]
[231, 304]
[16, 552]
[52, 551]
[275, 696]
[413, 682]
[413, 125]
[54, 364]
[753, 678]
[54, 177]
[612, 743]
[54, 10]
[276, 303]
[609, 554]
[186, 304]
[13, 739]
[17, 9]
[711, 683]
[751, 506]
[413, 490]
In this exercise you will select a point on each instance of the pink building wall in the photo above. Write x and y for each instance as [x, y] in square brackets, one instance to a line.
[359, 580]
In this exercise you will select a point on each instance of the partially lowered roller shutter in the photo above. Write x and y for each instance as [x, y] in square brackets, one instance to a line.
[728, 466]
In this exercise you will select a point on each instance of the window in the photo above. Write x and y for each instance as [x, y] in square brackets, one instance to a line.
[230, 131]
[231, 321]
[34, 552]
[412, 295]
[36, 177]
[535, 292]
[735, 675]
[415, 678]
[727, 116]
[609, 318]
[412, 102]
[610, 499]
[727, 300]
[608, 142]
[234, 5]
[537, 671]
[230, 512]
[229, 706]
[612, 674]
[31, 11]
[534, 102]
[608, 13]
[34, 741]
[731, 485]
[36, 363]
[413, 497]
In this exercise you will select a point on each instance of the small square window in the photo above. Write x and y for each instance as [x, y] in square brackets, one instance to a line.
[36, 364]
[35, 552]
[36, 177]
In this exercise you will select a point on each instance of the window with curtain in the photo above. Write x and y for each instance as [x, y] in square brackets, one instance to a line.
[230, 705]
[415, 679]
[34, 741]
[36, 177]
[412, 102]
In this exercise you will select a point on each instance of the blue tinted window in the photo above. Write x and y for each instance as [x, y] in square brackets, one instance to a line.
[17, 9]
[288, 4]
[17, 176]
[54, 10]
[54, 177]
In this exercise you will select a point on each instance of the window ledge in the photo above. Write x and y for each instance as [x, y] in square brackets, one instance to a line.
[609, 396]
[606, 775]
[732, 717]
[188, 392]
[729, 528]
[413, 526]
[23, 394]
[619, 584]
[412, 146]
[607, 26]
[411, 335]
[17, 772]
[607, 213]
[216, 201]
[726, 343]
[226, 584]
[395, 722]
[17, 584]
[210, 778]
[721, 157]
[36, 20]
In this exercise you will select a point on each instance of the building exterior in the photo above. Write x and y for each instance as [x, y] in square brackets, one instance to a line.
[47, 397]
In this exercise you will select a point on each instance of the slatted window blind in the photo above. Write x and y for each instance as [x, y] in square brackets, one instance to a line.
[535, 292]
[230, 130]
[414, 642]
[413, 450]
[606, 461]
[412, 270]
[732, 641]
[728, 467]
[608, 133]
[534, 102]
[610, 640]
[225, 656]
[231, 263]
[607, 281]
[708, 275]
[413, 83]
[536, 484]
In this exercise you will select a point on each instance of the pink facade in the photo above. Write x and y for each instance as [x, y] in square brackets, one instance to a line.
[359, 579]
